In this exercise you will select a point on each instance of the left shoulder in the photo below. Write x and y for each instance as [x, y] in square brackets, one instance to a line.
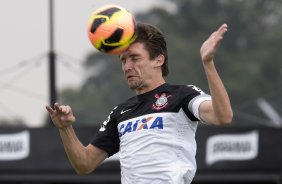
[195, 89]
[186, 89]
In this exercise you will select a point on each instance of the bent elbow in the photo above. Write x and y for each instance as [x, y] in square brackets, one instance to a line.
[83, 171]
[226, 119]
[80, 172]
[83, 168]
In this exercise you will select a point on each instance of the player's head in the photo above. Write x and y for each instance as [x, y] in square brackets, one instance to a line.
[144, 63]
[154, 42]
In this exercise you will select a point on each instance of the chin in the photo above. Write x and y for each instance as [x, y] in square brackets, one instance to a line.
[135, 85]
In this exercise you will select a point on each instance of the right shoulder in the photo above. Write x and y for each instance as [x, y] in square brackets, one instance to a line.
[118, 109]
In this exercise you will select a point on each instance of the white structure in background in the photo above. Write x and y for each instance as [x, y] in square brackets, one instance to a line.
[270, 112]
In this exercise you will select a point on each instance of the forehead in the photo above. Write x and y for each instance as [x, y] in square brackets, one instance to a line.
[134, 49]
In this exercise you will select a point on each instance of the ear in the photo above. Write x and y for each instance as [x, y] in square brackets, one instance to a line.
[159, 60]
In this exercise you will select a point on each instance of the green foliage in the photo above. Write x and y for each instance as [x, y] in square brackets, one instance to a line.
[249, 59]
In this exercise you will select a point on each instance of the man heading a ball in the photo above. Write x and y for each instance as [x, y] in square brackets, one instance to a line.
[154, 131]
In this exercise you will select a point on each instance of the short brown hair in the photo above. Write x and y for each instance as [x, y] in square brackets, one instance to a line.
[154, 41]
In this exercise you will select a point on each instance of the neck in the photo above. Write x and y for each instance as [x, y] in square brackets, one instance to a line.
[149, 87]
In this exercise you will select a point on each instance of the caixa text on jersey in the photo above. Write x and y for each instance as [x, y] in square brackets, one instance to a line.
[150, 122]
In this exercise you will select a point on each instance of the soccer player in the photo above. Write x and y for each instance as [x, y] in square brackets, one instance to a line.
[154, 131]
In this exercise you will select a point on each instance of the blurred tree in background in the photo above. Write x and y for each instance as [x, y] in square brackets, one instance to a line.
[249, 59]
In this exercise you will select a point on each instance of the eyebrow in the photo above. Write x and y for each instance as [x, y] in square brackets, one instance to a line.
[130, 55]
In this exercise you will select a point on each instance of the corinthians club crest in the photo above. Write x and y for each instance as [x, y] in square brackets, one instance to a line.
[161, 101]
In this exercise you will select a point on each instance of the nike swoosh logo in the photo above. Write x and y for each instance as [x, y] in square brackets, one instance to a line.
[124, 111]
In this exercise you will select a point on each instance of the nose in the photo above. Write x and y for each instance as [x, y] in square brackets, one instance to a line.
[127, 65]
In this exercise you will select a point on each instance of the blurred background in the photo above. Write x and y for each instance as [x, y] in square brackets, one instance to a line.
[35, 34]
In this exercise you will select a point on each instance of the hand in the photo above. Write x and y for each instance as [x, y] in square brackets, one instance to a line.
[61, 115]
[209, 47]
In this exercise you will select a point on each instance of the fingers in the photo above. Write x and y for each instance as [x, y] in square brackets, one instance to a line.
[220, 32]
[64, 109]
[218, 35]
[210, 46]
[223, 26]
[52, 111]
[49, 109]
[222, 29]
[57, 106]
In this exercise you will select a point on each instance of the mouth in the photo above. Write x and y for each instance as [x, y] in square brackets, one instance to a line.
[128, 77]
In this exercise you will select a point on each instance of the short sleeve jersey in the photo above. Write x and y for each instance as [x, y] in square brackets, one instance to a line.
[154, 134]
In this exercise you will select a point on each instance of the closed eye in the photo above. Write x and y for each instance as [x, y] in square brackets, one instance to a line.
[135, 58]
[131, 57]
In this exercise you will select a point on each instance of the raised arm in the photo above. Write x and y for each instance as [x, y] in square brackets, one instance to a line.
[218, 111]
[83, 159]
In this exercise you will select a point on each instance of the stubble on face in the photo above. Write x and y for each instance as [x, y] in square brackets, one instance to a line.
[135, 85]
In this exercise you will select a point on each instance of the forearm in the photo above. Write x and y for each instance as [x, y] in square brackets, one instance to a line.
[83, 159]
[76, 152]
[220, 100]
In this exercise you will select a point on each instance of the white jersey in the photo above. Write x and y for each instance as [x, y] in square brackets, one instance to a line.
[155, 135]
